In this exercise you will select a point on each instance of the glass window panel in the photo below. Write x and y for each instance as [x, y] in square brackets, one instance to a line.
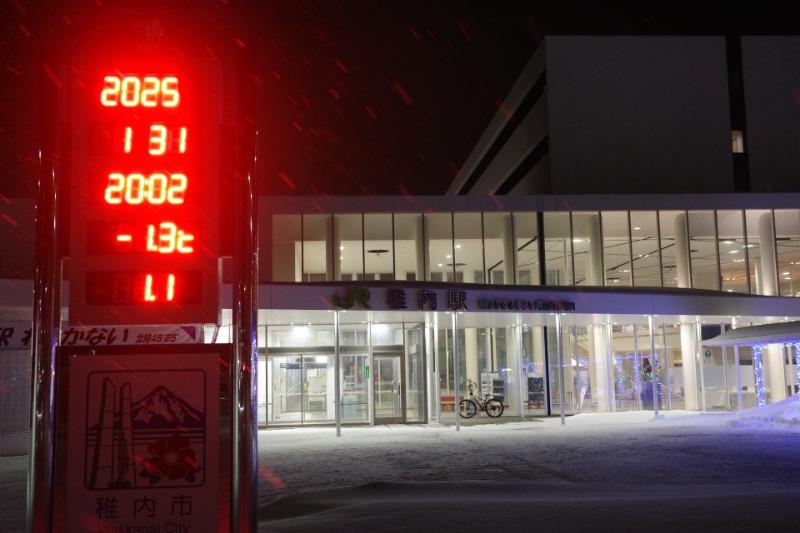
[378, 246]
[286, 250]
[732, 257]
[468, 260]
[317, 248]
[527, 248]
[387, 335]
[753, 246]
[498, 248]
[354, 388]
[576, 374]
[669, 260]
[616, 249]
[415, 373]
[787, 243]
[587, 249]
[439, 232]
[703, 250]
[533, 369]
[408, 247]
[557, 249]
[349, 264]
[646, 255]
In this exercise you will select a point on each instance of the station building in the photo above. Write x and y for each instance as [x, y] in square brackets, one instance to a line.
[634, 201]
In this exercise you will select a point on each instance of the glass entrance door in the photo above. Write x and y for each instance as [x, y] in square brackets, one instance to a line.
[301, 389]
[389, 397]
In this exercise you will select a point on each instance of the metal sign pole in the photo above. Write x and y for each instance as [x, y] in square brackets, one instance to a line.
[46, 319]
[245, 319]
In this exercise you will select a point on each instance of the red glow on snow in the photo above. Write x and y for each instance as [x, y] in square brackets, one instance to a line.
[267, 474]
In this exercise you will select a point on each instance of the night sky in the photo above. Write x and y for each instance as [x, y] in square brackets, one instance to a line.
[357, 97]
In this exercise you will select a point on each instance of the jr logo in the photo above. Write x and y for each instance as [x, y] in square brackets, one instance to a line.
[354, 295]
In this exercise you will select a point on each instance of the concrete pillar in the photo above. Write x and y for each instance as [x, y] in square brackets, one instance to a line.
[598, 369]
[775, 378]
[759, 288]
[298, 261]
[689, 368]
[337, 252]
[331, 255]
[471, 344]
[508, 252]
[422, 243]
[682, 251]
[595, 276]
[769, 263]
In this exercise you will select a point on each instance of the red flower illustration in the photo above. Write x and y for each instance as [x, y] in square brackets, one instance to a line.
[172, 458]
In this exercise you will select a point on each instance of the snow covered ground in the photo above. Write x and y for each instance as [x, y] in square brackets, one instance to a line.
[599, 472]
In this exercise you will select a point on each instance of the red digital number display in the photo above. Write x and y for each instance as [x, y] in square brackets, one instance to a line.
[126, 287]
[133, 91]
[145, 162]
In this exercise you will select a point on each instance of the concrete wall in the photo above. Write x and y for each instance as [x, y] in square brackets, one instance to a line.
[638, 114]
[771, 67]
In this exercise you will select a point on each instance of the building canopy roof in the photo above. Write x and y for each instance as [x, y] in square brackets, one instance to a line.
[763, 334]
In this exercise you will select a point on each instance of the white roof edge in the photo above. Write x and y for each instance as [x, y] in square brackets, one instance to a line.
[763, 334]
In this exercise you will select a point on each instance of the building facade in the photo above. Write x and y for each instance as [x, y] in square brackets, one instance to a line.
[633, 199]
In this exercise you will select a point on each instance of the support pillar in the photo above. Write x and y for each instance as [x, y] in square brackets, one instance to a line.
[595, 275]
[598, 369]
[682, 265]
[772, 356]
[508, 252]
[689, 368]
[769, 263]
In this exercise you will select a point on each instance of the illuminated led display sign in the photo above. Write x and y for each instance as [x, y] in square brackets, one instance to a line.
[145, 173]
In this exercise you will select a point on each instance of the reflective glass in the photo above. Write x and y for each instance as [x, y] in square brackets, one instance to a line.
[526, 248]
[703, 250]
[317, 248]
[498, 248]
[732, 257]
[378, 247]
[348, 244]
[286, 250]
[557, 249]
[468, 259]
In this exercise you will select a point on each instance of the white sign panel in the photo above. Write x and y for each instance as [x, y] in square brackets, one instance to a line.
[142, 443]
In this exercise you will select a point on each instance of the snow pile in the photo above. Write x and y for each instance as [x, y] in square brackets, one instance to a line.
[783, 412]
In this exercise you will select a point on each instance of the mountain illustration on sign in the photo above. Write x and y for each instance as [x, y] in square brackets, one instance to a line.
[161, 409]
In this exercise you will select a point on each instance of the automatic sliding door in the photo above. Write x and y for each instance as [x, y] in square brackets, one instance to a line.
[388, 390]
[302, 389]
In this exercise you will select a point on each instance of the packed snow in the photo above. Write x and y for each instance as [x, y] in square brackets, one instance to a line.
[596, 472]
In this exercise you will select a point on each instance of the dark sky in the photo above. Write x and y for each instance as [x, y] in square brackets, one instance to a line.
[357, 97]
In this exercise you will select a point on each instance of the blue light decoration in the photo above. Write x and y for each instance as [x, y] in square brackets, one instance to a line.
[797, 365]
[759, 373]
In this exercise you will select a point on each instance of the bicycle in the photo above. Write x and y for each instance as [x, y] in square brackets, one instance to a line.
[469, 407]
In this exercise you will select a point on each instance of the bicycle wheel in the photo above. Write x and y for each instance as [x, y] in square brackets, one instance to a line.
[467, 408]
[494, 408]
